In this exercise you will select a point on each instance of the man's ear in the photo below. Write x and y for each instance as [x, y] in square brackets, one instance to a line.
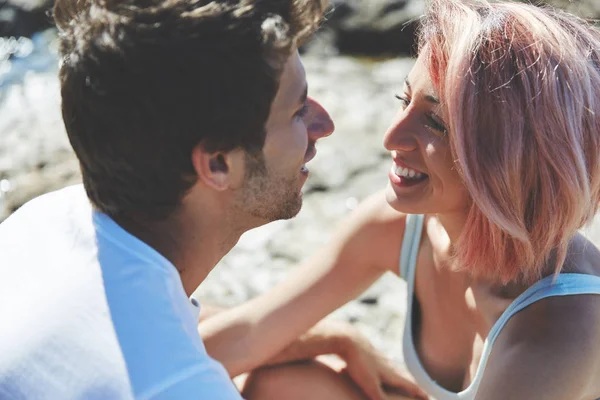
[219, 170]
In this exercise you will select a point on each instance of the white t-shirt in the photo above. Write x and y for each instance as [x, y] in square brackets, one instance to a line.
[88, 311]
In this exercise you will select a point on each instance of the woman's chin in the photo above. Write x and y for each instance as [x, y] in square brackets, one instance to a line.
[401, 203]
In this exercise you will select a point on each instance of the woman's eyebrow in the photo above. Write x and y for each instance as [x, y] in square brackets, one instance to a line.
[432, 99]
[427, 97]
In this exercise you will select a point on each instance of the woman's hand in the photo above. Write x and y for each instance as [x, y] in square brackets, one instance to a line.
[373, 372]
[364, 365]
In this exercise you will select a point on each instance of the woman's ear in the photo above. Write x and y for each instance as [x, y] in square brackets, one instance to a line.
[219, 170]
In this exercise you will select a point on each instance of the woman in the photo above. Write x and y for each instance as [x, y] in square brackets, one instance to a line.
[495, 166]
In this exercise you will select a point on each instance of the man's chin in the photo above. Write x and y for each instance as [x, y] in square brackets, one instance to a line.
[289, 209]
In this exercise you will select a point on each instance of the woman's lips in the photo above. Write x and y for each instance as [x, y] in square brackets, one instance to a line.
[401, 164]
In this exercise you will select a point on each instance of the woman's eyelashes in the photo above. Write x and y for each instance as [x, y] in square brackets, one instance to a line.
[438, 126]
[404, 100]
[432, 119]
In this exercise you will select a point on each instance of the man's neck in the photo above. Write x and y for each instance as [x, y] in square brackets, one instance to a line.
[192, 245]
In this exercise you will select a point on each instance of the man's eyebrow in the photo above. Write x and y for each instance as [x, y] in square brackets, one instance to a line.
[428, 97]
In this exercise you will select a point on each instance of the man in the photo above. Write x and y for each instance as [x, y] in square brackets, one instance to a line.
[192, 124]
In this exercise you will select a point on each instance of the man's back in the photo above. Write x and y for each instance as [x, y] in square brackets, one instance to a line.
[89, 311]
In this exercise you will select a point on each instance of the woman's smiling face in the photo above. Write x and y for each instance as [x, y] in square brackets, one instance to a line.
[423, 176]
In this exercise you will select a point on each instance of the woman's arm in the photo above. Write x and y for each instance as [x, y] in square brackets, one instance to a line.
[547, 351]
[366, 245]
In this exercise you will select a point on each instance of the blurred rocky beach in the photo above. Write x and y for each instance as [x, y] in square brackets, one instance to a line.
[355, 65]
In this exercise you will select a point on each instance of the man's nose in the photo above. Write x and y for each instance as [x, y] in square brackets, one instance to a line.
[318, 122]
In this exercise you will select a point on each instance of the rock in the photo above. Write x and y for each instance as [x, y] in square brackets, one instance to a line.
[589, 9]
[372, 27]
[388, 27]
[359, 27]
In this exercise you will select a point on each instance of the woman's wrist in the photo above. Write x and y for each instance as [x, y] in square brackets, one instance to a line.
[343, 336]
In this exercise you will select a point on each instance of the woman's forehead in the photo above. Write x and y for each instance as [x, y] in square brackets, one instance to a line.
[419, 79]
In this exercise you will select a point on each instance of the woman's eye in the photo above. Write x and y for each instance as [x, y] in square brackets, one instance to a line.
[432, 122]
[438, 126]
[404, 100]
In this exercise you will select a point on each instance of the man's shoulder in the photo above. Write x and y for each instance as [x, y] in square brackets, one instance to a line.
[132, 321]
[47, 232]
[48, 209]
[66, 196]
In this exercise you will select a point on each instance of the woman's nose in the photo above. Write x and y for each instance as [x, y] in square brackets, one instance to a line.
[400, 134]
[318, 122]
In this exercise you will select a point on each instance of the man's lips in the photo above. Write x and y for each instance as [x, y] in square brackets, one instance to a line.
[311, 152]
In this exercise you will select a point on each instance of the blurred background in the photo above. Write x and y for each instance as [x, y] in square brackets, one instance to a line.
[355, 65]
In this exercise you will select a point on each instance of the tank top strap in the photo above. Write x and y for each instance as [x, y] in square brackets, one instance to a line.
[410, 244]
[566, 284]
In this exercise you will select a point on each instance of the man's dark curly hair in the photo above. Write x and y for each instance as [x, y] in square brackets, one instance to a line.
[145, 81]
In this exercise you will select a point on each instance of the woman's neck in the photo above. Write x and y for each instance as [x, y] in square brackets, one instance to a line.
[451, 225]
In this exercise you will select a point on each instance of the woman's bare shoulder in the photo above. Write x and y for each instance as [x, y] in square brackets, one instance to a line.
[380, 228]
[556, 337]
[583, 257]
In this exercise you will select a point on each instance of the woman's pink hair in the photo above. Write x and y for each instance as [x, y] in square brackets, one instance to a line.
[522, 89]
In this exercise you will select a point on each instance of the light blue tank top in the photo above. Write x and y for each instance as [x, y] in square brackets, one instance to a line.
[564, 285]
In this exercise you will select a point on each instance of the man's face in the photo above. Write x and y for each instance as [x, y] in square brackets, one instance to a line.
[273, 182]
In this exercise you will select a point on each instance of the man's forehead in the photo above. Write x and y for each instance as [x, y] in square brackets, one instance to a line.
[293, 82]
[294, 70]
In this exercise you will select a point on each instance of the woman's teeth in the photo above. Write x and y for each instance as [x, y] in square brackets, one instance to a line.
[407, 172]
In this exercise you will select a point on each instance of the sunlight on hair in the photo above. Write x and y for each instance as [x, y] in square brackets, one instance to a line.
[522, 88]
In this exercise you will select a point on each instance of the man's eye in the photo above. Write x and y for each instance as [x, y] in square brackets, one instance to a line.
[301, 113]
[404, 100]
